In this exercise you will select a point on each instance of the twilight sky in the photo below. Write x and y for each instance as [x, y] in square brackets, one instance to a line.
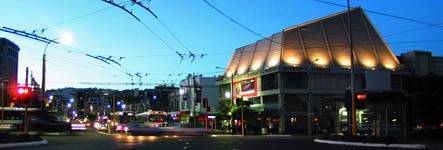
[99, 29]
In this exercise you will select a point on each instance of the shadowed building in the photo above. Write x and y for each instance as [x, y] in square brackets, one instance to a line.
[8, 66]
[290, 76]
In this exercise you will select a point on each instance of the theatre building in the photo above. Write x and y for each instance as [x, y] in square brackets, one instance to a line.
[295, 78]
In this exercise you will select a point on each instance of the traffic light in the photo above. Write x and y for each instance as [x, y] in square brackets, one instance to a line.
[317, 120]
[23, 92]
[360, 100]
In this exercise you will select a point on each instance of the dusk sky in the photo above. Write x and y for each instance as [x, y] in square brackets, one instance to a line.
[113, 32]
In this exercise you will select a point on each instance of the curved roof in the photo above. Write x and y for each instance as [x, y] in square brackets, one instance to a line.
[323, 42]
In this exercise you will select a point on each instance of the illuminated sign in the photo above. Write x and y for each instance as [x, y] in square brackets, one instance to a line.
[246, 88]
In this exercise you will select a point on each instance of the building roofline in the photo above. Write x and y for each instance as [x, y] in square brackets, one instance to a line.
[321, 18]
[15, 46]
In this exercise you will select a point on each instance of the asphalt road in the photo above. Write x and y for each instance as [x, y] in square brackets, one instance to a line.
[95, 141]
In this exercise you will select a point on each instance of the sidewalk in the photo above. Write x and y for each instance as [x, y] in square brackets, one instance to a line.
[337, 142]
[237, 135]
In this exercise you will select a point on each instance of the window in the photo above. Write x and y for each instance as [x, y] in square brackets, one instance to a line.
[295, 102]
[269, 82]
[255, 100]
[270, 99]
[183, 105]
[295, 80]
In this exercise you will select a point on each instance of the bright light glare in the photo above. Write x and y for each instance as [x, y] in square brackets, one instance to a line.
[227, 94]
[66, 38]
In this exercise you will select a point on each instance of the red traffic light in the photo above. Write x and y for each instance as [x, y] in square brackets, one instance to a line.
[23, 91]
[361, 96]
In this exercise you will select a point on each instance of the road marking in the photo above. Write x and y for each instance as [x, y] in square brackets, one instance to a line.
[34, 143]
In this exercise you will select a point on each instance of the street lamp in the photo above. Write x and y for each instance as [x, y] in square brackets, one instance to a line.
[181, 91]
[227, 94]
[66, 39]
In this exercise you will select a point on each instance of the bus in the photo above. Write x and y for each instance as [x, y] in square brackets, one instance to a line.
[152, 118]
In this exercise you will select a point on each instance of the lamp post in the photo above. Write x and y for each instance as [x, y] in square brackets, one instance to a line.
[310, 104]
[66, 39]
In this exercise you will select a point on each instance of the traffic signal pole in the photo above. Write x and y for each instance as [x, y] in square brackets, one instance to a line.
[242, 120]
[353, 110]
[2, 100]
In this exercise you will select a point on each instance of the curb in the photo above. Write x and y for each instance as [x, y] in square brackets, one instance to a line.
[225, 135]
[283, 135]
[20, 144]
[410, 146]
[228, 135]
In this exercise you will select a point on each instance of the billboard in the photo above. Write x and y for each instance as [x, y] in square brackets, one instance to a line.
[246, 88]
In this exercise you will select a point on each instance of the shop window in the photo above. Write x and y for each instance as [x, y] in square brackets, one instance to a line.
[293, 120]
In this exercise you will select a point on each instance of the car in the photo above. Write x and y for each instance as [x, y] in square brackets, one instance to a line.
[41, 122]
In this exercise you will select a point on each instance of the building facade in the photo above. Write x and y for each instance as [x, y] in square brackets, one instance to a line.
[195, 91]
[291, 77]
[8, 67]
[422, 63]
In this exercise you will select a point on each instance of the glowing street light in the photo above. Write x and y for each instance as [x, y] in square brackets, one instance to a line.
[228, 95]
[69, 105]
[182, 91]
[66, 38]
[71, 100]
[123, 106]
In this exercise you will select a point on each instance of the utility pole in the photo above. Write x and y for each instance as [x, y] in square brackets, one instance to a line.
[26, 120]
[242, 118]
[310, 100]
[2, 99]
[195, 98]
[353, 111]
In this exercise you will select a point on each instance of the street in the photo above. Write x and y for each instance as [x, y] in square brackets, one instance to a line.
[93, 140]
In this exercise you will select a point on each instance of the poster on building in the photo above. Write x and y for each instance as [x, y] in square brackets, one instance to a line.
[246, 88]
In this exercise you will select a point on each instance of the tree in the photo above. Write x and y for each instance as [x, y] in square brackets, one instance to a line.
[224, 108]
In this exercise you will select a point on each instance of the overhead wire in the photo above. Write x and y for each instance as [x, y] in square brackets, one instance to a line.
[387, 15]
